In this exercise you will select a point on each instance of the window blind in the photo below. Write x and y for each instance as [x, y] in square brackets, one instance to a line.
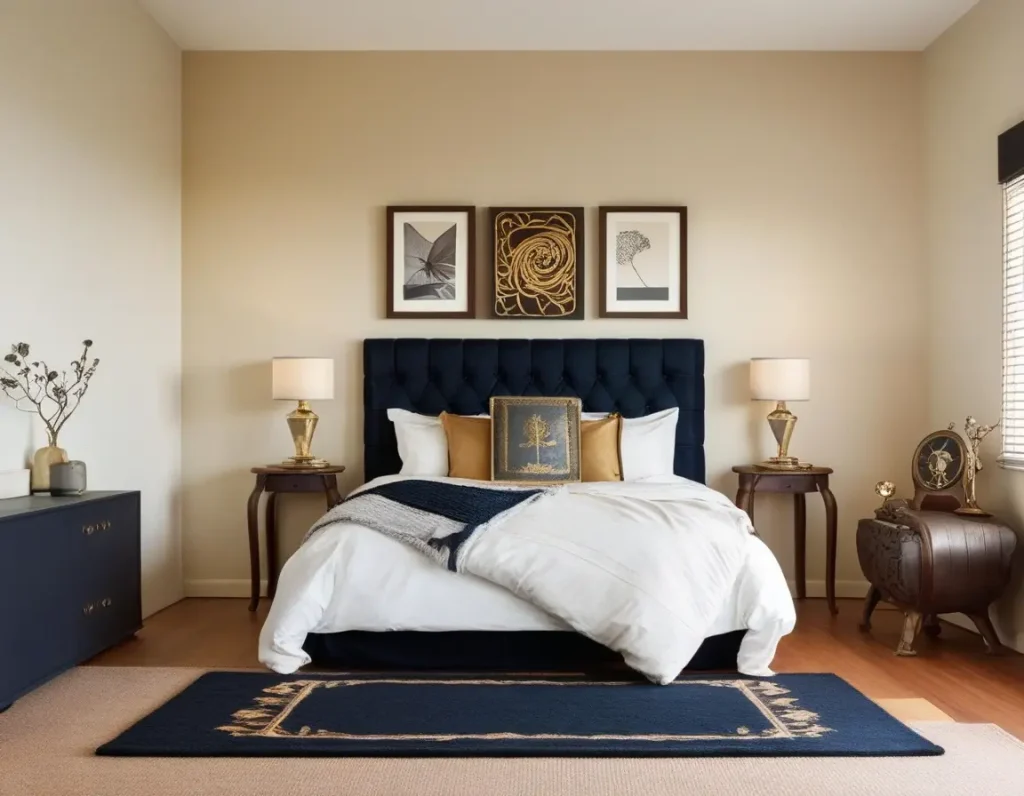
[1013, 325]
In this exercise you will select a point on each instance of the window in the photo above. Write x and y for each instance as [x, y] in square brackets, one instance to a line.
[1013, 325]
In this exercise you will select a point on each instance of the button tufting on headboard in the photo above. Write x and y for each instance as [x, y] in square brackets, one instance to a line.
[634, 377]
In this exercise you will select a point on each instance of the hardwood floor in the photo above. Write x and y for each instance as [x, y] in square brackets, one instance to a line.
[953, 673]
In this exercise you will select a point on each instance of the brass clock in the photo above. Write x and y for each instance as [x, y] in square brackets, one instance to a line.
[938, 469]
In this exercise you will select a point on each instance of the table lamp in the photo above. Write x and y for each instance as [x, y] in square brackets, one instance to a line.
[303, 379]
[781, 380]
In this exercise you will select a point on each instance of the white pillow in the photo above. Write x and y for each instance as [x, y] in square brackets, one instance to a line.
[422, 445]
[648, 443]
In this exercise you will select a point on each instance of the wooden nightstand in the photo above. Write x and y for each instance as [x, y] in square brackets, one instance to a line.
[798, 483]
[274, 480]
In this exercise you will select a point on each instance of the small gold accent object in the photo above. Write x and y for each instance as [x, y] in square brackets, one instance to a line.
[975, 434]
[303, 379]
[781, 380]
[885, 490]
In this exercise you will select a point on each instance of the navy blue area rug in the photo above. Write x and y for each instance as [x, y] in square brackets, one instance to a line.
[227, 714]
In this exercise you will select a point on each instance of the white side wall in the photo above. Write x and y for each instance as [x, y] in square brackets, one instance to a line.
[974, 77]
[90, 245]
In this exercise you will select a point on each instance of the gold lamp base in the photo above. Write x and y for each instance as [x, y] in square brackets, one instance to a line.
[302, 425]
[782, 422]
[313, 464]
[788, 463]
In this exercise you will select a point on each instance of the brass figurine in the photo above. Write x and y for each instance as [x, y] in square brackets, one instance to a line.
[975, 434]
[885, 490]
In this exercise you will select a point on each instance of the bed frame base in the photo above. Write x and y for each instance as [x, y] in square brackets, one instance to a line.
[483, 650]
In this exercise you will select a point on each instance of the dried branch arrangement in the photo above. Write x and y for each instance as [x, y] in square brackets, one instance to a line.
[53, 395]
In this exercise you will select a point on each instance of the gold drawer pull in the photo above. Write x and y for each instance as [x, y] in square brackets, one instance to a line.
[105, 524]
[106, 602]
[88, 609]
[89, 530]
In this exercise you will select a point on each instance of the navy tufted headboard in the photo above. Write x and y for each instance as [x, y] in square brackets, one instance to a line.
[633, 377]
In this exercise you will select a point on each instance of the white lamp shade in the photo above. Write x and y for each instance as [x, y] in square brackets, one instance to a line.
[780, 379]
[303, 379]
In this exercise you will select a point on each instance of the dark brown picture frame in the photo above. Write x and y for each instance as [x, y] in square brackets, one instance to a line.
[604, 311]
[470, 212]
[579, 216]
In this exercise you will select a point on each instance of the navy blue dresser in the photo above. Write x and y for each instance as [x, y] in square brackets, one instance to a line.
[69, 583]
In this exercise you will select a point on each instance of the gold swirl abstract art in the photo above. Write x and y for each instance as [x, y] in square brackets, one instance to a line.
[535, 263]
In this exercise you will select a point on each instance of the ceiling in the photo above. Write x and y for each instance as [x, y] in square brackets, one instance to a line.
[556, 24]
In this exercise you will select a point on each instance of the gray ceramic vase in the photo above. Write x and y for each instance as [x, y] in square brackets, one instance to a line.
[67, 478]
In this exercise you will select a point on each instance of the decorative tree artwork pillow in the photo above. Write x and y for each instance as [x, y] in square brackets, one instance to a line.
[535, 440]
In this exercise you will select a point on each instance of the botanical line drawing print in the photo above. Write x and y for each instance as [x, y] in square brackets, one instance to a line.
[628, 244]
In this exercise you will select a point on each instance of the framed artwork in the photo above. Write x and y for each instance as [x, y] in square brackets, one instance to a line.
[538, 262]
[535, 440]
[643, 262]
[431, 262]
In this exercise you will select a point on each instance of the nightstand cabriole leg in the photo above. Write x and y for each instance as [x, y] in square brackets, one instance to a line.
[800, 543]
[331, 491]
[745, 502]
[272, 553]
[254, 540]
[831, 532]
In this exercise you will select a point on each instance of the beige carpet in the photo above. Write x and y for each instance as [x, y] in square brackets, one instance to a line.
[47, 740]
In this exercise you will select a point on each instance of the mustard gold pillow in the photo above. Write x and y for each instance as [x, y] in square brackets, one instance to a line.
[469, 446]
[600, 449]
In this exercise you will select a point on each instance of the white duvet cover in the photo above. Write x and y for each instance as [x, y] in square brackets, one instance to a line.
[648, 568]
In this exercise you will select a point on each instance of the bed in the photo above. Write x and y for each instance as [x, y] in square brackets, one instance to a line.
[392, 609]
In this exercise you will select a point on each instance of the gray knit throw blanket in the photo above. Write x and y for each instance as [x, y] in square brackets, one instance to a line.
[434, 517]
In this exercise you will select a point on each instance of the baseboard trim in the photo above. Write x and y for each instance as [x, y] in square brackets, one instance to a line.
[222, 588]
[845, 589]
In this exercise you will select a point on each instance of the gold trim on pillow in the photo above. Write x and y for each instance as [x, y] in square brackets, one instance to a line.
[469, 446]
[601, 449]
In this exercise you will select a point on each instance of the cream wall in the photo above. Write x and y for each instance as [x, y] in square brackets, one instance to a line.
[974, 92]
[90, 245]
[804, 178]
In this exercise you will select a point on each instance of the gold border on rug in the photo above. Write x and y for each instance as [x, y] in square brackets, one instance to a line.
[277, 702]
